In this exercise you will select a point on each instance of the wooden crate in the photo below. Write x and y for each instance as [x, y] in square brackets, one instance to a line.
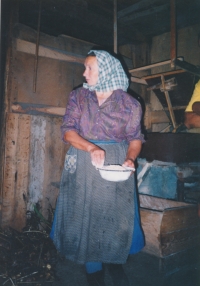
[170, 227]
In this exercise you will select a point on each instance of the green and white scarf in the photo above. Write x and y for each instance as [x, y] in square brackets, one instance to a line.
[111, 73]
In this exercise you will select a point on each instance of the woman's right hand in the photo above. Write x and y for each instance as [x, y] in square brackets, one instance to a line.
[97, 156]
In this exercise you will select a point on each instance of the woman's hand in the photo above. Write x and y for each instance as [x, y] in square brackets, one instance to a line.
[129, 163]
[97, 156]
[132, 153]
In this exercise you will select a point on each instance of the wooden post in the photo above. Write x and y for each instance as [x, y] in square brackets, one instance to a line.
[173, 32]
[36, 48]
[168, 102]
[115, 26]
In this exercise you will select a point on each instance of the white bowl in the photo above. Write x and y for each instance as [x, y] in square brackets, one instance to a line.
[115, 173]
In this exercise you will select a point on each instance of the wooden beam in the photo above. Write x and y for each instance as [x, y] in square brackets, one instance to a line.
[50, 110]
[173, 32]
[143, 4]
[48, 52]
[173, 119]
[115, 26]
[139, 80]
[153, 65]
[164, 73]
[188, 67]
[176, 107]
[144, 13]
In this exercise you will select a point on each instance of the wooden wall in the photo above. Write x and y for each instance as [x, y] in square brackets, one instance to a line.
[34, 152]
[33, 166]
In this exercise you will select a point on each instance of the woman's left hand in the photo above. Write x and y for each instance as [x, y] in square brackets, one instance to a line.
[129, 163]
[132, 153]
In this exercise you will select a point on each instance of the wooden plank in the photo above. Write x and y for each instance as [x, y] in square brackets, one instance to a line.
[173, 45]
[115, 26]
[139, 80]
[22, 173]
[151, 222]
[55, 150]
[179, 240]
[159, 204]
[164, 73]
[48, 52]
[9, 183]
[173, 119]
[186, 258]
[34, 160]
[145, 13]
[137, 6]
[152, 66]
[37, 161]
[176, 107]
[179, 218]
[187, 67]
[60, 111]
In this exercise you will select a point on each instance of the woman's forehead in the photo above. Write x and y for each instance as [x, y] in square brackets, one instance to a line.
[91, 60]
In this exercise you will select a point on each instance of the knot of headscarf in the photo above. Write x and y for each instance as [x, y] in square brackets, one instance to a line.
[111, 73]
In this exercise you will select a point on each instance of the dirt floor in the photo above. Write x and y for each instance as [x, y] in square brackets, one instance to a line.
[141, 269]
[31, 259]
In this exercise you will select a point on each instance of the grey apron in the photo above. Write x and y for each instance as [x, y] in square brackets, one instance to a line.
[94, 217]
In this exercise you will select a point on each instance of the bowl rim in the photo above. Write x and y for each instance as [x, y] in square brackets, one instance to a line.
[127, 169]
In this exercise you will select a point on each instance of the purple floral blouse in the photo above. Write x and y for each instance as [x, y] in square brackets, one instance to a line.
[118, 118]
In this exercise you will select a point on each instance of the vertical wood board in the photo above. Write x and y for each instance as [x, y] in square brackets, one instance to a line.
[54, 160]
[151, 222]
[22, 174]
[34, 158]
[16, 170]
[37, 160]
[9, 183]
[180, 218]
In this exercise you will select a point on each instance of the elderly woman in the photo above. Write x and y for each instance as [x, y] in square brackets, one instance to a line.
[96, 220]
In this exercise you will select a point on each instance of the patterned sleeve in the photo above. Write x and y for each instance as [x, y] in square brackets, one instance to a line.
[133, 128]
[72, 115]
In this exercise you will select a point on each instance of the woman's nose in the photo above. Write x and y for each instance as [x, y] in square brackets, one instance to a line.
[84, 74]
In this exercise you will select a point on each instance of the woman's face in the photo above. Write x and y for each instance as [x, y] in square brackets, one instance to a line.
[91, 70]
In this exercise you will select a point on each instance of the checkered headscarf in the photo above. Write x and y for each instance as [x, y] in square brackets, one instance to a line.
[111, 73]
